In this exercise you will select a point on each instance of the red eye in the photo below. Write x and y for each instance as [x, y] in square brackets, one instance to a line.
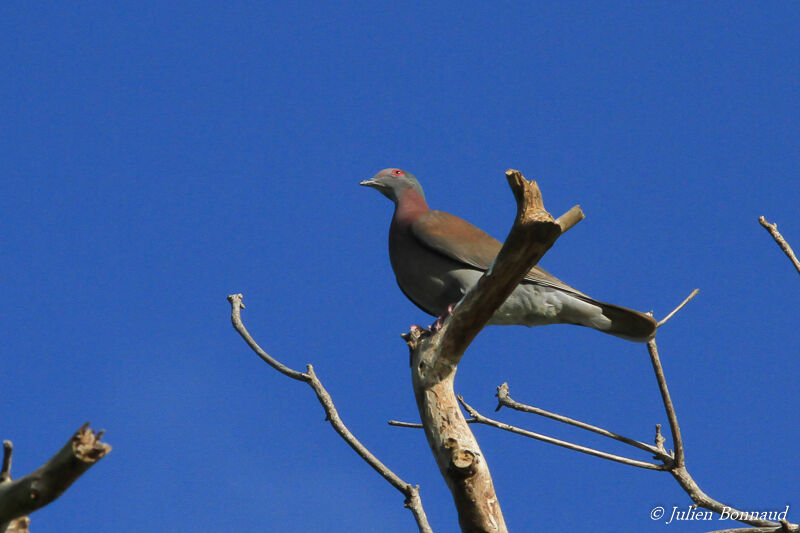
[397, 172]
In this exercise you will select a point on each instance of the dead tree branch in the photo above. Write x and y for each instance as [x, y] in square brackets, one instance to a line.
[415, 425]
[675, 429]
[411, 492]
[680, 306]
[506, 401]
[674, 463]
[435, 357]
[678, 467]
[564, 444]
[786, 527]
[773, 230]
[25, 495]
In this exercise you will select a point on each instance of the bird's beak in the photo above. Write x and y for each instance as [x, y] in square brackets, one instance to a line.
[370, 182]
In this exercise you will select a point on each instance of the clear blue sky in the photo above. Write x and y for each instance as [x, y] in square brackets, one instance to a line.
[157, 156]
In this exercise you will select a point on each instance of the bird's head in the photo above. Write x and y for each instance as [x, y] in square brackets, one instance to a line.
[393, 182]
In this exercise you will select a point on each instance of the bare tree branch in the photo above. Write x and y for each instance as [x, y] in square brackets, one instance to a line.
[533, 233]
[667, 400]
[570, 218]
[505, 400]
[751, 530]
[564, 444]
[435, 356]
[414, 425]
[42, 486]
[683, 303]
[701, 499]
[411, 492]
[773, 230]
[678, 468]
[236, 318]
[674, 464]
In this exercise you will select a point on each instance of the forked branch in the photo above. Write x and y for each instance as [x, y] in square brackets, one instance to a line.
[435, 356]
[673, 463]
[558, 442]
[533, 233]
[411, 492]
[504, 400]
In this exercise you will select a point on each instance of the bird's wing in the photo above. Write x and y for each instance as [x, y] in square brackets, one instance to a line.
[459, 240]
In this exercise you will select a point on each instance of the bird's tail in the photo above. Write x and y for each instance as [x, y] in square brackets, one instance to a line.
[616, 320]
[629, 324]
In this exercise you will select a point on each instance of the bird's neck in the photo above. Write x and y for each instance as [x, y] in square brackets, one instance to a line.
[409, 206]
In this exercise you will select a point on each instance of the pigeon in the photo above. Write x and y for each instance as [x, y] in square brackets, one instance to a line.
[437, 257]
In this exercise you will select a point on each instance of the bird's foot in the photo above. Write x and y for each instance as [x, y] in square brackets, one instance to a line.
[415, 335]
[436, 326]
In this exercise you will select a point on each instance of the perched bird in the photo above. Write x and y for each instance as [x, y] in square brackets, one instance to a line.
[437, 257]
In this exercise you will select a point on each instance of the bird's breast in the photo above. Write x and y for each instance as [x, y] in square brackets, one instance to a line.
[430, 280]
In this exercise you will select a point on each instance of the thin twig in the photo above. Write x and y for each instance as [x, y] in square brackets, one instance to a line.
[683, 303]
[564, 444]
[398, 423]
[675, 429]
[236, 318]
[659, 439]
[411, 492]
[701, 499]
[750, 530]
[678, 467]
[671, 464]
[773, 230]
[505, 400]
